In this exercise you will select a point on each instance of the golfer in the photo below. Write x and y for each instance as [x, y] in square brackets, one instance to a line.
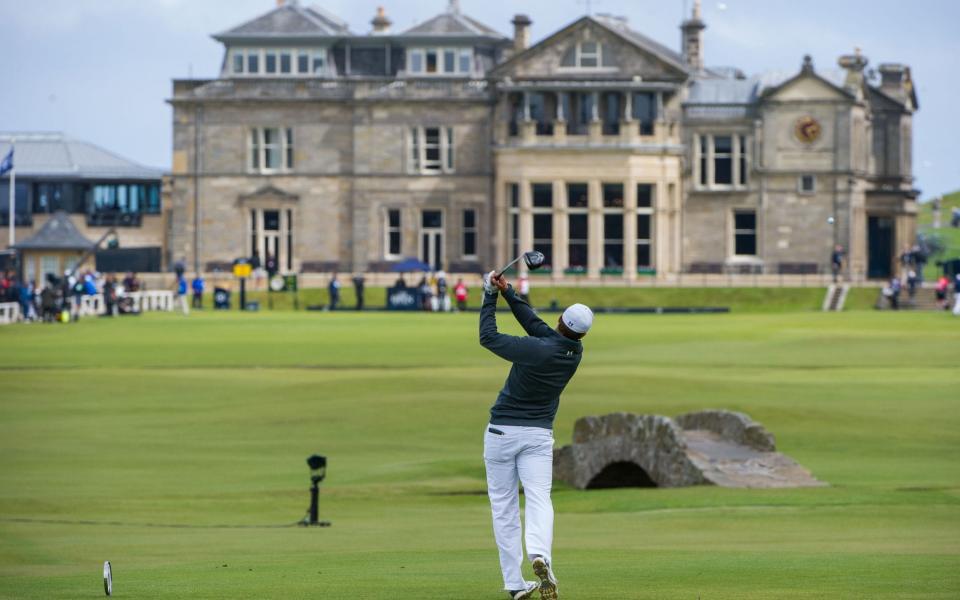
[518, 442]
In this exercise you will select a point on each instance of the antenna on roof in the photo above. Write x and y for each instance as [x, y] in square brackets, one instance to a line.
[589, 5]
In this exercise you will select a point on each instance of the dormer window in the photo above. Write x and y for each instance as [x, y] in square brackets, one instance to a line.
[449, 62]
[278, 62]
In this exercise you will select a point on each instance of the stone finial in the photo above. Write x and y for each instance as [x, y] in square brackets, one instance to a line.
[381, 23]
[807, 64]
[697, 13]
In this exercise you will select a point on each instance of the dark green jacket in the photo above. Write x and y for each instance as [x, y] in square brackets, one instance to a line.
[543, 363]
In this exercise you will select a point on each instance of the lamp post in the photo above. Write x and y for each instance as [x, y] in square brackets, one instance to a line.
[318, 471]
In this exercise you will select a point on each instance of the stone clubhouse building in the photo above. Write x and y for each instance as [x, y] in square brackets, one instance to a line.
[618, 157]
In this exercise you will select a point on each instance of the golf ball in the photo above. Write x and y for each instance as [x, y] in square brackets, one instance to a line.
[830, 220]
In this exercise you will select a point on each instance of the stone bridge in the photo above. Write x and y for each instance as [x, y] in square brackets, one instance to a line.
[713, 447]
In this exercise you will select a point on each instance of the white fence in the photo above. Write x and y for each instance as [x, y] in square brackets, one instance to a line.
[9, 313]
[91, 306]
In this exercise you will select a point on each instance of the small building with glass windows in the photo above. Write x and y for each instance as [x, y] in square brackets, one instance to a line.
[94, 188]
[618, 157]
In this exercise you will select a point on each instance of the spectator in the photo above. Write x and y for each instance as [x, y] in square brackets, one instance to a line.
[77, 289]
[955, 217]
[197, 285]
[334, 289]
[895, 287]
[836, 261]
[182, 295]
[911, 284]
[271, 265]
[358, 282]
[460, 293]
[49, 300]
[110, 294]
[400, 282]
[443, 300]
[943, 286]
[426, 293]
[956, 295]
[28, 301]
[525, 289]
[179, 268]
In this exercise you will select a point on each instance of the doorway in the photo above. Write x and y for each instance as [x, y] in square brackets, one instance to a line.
[880, 238]
[271, 236]
[431, 238]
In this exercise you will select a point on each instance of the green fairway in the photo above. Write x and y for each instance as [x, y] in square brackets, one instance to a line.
[175, 448]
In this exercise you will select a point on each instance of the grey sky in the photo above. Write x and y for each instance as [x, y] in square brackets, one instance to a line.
[100, 70]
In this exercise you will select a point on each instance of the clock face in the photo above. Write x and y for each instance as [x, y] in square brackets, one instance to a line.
[807, 130]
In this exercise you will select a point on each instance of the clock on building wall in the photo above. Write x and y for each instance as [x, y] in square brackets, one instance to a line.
[807, 129]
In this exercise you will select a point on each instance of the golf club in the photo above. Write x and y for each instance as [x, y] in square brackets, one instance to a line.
[533, 259]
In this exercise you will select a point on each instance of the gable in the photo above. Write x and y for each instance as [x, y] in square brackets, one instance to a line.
[806, 88]
[617, 56]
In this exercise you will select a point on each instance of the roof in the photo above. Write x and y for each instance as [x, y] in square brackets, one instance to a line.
[53, 154]
[620, 27]
[717, 90]
[58, 233]
[289, 21]
[452, 23]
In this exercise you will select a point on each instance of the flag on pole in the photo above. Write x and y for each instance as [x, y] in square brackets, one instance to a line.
[7, 165]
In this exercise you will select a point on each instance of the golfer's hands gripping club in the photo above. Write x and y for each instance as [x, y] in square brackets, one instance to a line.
[492, 283]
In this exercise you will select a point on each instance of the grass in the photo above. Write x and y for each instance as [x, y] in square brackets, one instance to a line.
[740, 300]
[175, 448]
[949, 235]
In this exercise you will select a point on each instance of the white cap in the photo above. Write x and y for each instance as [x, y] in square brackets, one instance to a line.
[578, 318]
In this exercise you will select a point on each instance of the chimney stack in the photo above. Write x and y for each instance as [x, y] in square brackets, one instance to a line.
[691, 39]
[892, 79]
[381, 24]
[521, 32]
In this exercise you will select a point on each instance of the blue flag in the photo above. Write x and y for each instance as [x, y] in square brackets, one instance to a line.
[7, 165]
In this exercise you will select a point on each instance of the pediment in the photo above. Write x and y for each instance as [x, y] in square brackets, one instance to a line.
[621, 53]
[268, 194]
[807, 87]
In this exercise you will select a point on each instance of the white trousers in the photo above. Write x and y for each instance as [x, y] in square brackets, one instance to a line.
[520, 455]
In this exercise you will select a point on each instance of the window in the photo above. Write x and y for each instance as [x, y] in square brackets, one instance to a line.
[612, 226]
[238, 61]
[588, 54]
[286, 60]
[392, 231]
[723, 161]
[644, 108]
[542, 108]
[253, 61]
[644, 225]
[431, 150]
[449, 61]
[612, 112]
[543, 220]
[578, 109]
[270, 61]
[270, 149]
[469, 233]
[745, 233]
[303, 61]
[271, 237]
[577, 226]
[319, 61]
[808, 184]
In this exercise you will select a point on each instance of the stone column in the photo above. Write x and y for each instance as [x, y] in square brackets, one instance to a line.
[500, 238]
[595, 228]
[526, 222]
[663, 245]
[630, 230]
[561, 232]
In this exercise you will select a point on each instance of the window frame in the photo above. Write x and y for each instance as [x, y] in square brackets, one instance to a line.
[475, 230]
[579, 211]
[649, 212]
[417, 148]
[388, 229]
[441, 53]
[801, 189]
[257, 150]
[739, 156]
[735, 232]
[293, 54]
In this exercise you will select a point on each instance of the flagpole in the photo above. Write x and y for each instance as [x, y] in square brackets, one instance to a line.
[13, 185]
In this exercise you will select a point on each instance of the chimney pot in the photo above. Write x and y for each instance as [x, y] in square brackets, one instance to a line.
[381, 23]
[521, 32]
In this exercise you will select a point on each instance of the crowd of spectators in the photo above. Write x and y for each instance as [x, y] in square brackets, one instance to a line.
[58, 299]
